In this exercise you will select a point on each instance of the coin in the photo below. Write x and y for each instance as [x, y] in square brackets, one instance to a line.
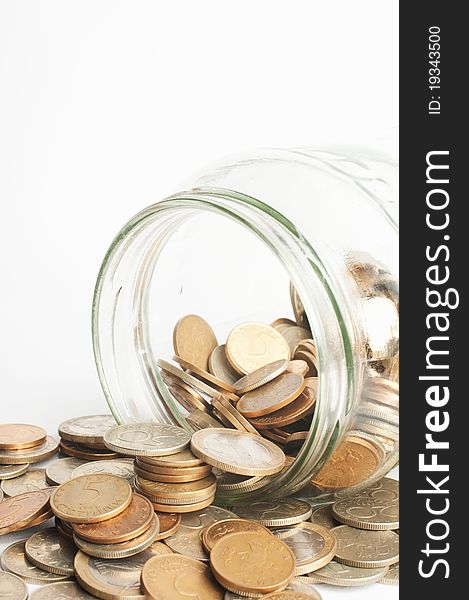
[169, 523]
[114, 579]
[187, 539]
[312, 545]
[121, 549]
[298, 308]
[130, 523]
[14, 560]
[199, 420]
[44, 516]
[67, 590]
[12, 471]
[87, 430]
[84, 453]
[189, 379]
[205, 375]
[17, 436]
[300, 586]
[367, 549]
[258, 563]
[322, 515]
[351, 463]
[237, 451]
[180, 475]
[122, 467]
[392, 576]
[336, 573]
[272, 396]
[31, 481]
[298, 366]
[30, 455]
[183, 508]
[146, 439]
[175, 577]
[64, 529]
[197, 490]
[61, 470]
[232, 415]
[12, 587]
[302, 406]
[290, 595]
[230, 482]
[184, 458]
[294, 334]
[194, 340]
[212, 533]
[91, 498]
[49, 552]
[188, 397]
[253, 345]
[376, 508]
[18, 511]
[276, 513]
[260, 376]
[219, 366]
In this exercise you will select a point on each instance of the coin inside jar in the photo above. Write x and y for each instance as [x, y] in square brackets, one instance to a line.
[272, 396]
[219, 366]
[212, 533]
[260, 376]
[302, 406]
[205, 375]
[130, 523]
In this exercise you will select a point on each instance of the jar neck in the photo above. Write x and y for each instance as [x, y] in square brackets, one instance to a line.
[317, 274]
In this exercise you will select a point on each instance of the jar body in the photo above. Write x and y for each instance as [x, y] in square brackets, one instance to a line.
[228, 249]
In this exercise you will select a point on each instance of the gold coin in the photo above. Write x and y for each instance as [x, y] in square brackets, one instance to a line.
[19, 511]
[271, 396]
[276, 513]
[215, 531]
[232, 415]
[351, 463]
[121, 549]
[302, 406]
[30, 455]
[176, 476]
[282, 321]
[14, 436]
[33, 480]
[183, 508]
[146, 439]
[194, 340]
[375, 508]
[13, 588]
[260, 376]
[12, 471]
[205, 375]
[335, 573]
[219, 366]
[367, 549]
[82, 452]
[253, 345]
[197, 472]
[61, 470]
[187, 539]
[14, 560]
[199, 489]
[237, 452]
[176, 577]
[258, 563]
[298, 366]
[230, 482]
[91, 498]
[115, 579]
[39, 520]
[199, 385]
[292, 595]
[199, 420]
[87, 430]
[298, 308]
[184, 458]
[48, 551]
[392, 576]
[188, 397]
[312, 545]
[169, 523]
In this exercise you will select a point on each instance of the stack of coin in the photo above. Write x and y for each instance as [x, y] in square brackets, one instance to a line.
[82, 438]
[103, 516]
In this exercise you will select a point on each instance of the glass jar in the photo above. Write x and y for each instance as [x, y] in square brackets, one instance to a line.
[323, 221]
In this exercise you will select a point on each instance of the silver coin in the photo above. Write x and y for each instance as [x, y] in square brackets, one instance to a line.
[336, 573]
[12, 587]
[61, 470]
[147, 439]
[122, 467]
[68, 590]
[49, 551]
[322, 515]
[187, 539]
[220, 367]
[30, 455]
[11, 471]
[90, 428]
[364, 548]
[276, 513]
[32, 481]
[14, 560]
[392, 576]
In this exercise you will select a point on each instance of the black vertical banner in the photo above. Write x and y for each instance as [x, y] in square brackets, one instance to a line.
[434, 325]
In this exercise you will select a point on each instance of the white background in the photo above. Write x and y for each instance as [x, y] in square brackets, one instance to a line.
[106, 106]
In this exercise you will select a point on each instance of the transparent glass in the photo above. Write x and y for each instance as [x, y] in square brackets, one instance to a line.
[227, 248]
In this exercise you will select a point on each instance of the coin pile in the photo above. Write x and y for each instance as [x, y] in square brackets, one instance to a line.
[82, 438]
